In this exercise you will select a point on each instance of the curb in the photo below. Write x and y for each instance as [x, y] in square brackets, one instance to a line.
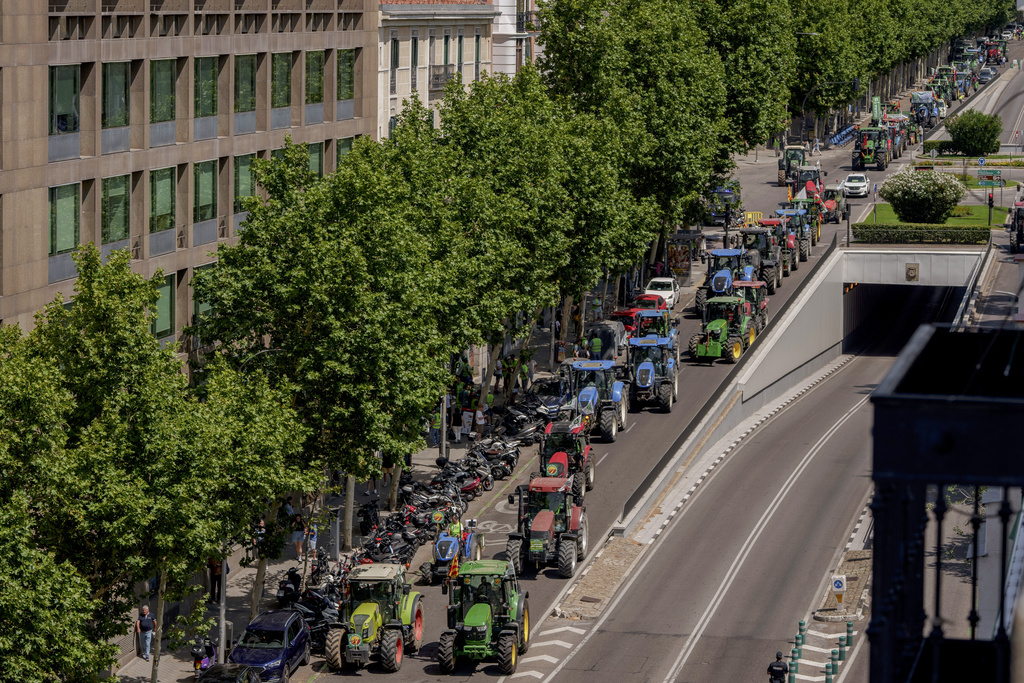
[839, 618]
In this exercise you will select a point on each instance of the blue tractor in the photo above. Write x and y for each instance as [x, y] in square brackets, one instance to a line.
[456, 539]
[657, 325]
[723, 267]
[652, 373]
[599, 397]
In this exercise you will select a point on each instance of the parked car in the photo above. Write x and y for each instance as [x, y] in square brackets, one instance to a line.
[231, 673]
[666, 287]
[277, 641]
[986, 75]
[856, 185]
[1007, 35]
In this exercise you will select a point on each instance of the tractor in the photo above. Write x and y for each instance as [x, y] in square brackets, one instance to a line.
[382, 616]
[1016, 227]
[727, 330]
[789, 250]
[652, 373]
[763, 253]
[815, 208]
[659, 324]
[723, 267]
[488, 617]
[551, 526]
[792, 157]
[453, 544]
[598, 397]
[897, 125]
[871, 146]
[800, 223]
[566, 451]
[836, 208]
[756, 296]
[805, 175]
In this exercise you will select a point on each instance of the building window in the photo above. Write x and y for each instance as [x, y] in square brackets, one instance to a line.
[64, 218]
[161, 90]
[414, 60]
[204, 203]
[460, 53]
[206, 87]
[281, 80]
[316, 158]
[115, 209]
[344, 147]
[163, 322]
[314, 77]
[476, 58]
[65, 89]
[392, 124]
[161, 199]
[116, 94]
[394, 66]
[346, 74]
[244, 184]
[447, 49]
[245, 83]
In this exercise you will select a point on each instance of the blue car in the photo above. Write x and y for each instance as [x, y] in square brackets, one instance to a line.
[277, 641]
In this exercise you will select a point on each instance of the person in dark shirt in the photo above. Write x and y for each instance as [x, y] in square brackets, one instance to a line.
[778, 669]
[144, 627]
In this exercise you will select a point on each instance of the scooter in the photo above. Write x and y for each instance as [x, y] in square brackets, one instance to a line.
[204, 655]
[288, 590]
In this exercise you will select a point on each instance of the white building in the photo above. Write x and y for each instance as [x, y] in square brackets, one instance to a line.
[515, 35]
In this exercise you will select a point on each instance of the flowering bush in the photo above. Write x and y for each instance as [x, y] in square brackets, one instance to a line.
[922, 196]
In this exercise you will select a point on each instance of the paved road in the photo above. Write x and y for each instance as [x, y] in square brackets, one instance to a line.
[745, 559]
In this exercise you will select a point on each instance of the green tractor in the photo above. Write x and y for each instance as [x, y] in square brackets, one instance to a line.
[871, 146]
[1016, 227]
[793, 156]
[728, 330]
[382, 616]
[488, 617]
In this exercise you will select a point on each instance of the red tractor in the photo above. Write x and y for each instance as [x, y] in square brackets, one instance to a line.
[566, 451]
[551, 527]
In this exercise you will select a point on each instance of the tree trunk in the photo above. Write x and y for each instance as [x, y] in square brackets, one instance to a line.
[618, 281]
[222, 645]
[158, 628]
[350, 497]
[261, 566]
[604, 292]
[551, 345]
[566, 318]
[396, 472]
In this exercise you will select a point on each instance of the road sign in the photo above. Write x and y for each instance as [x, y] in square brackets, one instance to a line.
[935, 153]
[839, 586]
[981, 161]
[989, 183]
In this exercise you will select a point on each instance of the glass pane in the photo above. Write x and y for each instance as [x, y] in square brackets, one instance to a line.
[245, 83]
[64, 105]
[344, 147]
[163, 323]
[314, 77]
[414, 53]
[477, 56]
[64, 215]
[281, 80]
[161, 90]
[394, 53]
[447, 42]
[115, 94]
[244, 186]
[460, 51]
[205, 192]
[206, 86]
[316, 158]
[115, 209]
[200, 307]
[346, 74]
[161, 199]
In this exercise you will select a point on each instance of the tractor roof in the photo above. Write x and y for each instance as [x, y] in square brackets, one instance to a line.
[549, 484]
[790, 212]
[376, 571]
[799, 147]
[593, 365]
[650, 341]
[807, 167]
[771, 222]
[726, 252]
[726, 299]
[649, 313]
[563, 427]
[627, 312]
[748, 283]
[755, 231]
[484, 568]
[834, 186]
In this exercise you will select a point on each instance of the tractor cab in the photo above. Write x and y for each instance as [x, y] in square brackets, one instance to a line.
[725, 308]
[755, 297]
[649, 350]
[834, 203]
[598, 396]
[653, 323]
[565, 452]
[1016, 227]
[792, 157]
[805, 175]
[724, 268]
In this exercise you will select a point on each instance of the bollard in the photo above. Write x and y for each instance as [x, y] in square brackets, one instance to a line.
[795, 668]
[835, 661]
[803, 627]
[828, 673]
[842, 648]
[792, 677]
[799, 640]
[849, 634]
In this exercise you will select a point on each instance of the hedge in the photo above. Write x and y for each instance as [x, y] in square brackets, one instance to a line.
[940, 146]
[925, 233]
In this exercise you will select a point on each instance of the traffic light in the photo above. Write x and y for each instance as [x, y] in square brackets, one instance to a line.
[990, 200]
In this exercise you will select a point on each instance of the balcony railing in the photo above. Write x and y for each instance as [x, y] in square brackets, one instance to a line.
[440, 74]
[527, 21]
[394, 81]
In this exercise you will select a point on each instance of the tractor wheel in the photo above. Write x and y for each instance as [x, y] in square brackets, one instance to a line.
[675, 386]
[578, 484]
[665, 397]
[332, 648]
[566, 559]
[623, 412]
[1013, 243]
[508, 654]
[751, 335]
[582, 543]
[701, 300]
[769, 279]
[591, 473]
[778, 277]
[446, 653]
[782, 177]
[524, 642]
[477, 552]
[514, 553]
[416, 628]
[392, 650]
[805, 249]
[694, 341]
[795, 265]
[609, 426]
[733, 349]
[763, 317]
[787, 268]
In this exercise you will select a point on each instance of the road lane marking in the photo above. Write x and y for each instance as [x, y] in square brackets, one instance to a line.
[559, 643]
[565, 629]
[601, 459]
[540, 658]
[535, 674]
[762, 524]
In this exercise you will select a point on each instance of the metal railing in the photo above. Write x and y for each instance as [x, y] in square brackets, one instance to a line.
[527, 21]
[394, 81]
[440, 74]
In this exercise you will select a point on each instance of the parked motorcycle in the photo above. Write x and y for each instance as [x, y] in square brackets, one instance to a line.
[288, 589]
[204, 655]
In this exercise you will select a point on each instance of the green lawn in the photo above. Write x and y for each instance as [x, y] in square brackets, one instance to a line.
[978, 217]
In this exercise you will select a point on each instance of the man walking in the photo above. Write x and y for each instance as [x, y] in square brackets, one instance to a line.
[817, 147]
[778, 669]
[595, 347]
[144, 627]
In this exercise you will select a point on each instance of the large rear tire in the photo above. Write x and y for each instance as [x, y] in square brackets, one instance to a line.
[514, 551]
[733, 349]
[566, 559]
[524, 642]
[591, 471]
[417, 628]
[446, 653]
[782, 177]
[665, 397]
[609, 426]
[392, 650]
[634, 403]
[701, 299]
[769, 279]
[805, 248]
[508, 654]
[795, 265]
[332, 648]
[694, 342]
[578, 484]
[583, 542]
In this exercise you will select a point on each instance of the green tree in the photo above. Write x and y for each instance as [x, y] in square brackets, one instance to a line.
[973, 133]
[826, 54]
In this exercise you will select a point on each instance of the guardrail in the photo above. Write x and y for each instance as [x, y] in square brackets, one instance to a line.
[691, 427]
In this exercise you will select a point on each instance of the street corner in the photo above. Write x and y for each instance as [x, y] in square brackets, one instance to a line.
[855, 569]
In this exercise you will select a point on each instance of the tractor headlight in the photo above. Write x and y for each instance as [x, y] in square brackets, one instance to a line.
[477, 633]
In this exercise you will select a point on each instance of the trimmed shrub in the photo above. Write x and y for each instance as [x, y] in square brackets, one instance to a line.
[940, 146]
[922, 196]
[914, 233]
[973, 133]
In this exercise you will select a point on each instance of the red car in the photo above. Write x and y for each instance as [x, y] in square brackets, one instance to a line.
[649, 302]
[629, 317]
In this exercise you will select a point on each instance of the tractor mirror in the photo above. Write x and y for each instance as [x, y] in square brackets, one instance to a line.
[470, 523]
[675, 322]
[406, 589]
[444, 588]
[511, 499]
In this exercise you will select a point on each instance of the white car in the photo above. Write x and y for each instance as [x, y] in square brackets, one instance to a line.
[1007, 35]
[665, 287]
[941, 104]
[856, 185]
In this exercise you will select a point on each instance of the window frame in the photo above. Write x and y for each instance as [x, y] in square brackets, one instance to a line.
[169, 283]
[204, 212]
[205, 89]
[154, 66]
[111, 119]
[105, 210]
[346, 67]
[277, 59]
[252, 181]
[319, 147]
[312, 76]
[240, 100]
[74, 121]
[54, 198]
[153, 183]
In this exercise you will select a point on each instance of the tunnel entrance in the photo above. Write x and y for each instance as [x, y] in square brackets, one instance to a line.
[878, 320]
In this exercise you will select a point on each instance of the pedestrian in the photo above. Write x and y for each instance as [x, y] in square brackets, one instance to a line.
[524, 373]
[595, 346]
[817, 146]
[490, 403]
[558, 328]
[288, 509]
[312, 540]
[216, 567]
[532, 369]
[457, 421]
[388, 469]
[144, 626]
[498, 375]
[598, 308]
[435, 428]
[257, 537]
[298, 534]
[467, 420]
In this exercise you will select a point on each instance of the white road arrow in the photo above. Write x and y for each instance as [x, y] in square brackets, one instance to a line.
[527, 673]
[559, 643]
[569, 629]
[540, 658]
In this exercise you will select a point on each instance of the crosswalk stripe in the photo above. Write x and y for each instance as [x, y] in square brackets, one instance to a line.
[801, 677]
[827, 635]
[823, 650]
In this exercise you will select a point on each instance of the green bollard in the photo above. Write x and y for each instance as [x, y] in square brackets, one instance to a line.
[835, 661]
[803, 627]
[849, 634]
[795, 666]
[828, 673]
[792, 677]
[842, 648]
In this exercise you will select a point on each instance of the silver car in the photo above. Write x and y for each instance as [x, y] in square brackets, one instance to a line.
[856, 185]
